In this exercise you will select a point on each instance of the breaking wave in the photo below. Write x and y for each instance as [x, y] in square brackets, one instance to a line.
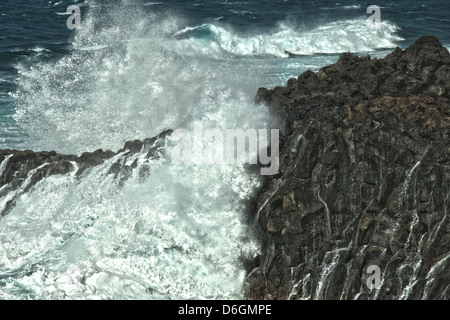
[165, 236]
[335, 37]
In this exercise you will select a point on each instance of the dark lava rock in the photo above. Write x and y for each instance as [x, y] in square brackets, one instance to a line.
[21, 170]
[365, 180]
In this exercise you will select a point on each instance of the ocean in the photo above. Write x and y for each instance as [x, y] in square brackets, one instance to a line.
[133, 69]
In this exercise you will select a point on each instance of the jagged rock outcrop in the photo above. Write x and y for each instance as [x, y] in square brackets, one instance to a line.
[21, 170]
[364, 180]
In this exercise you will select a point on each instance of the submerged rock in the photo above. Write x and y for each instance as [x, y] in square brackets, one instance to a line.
[364, 180]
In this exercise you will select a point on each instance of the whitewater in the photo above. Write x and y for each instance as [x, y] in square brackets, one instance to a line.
[180, 231]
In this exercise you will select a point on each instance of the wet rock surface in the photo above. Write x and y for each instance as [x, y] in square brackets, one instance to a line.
[364, 180]
[21, 170]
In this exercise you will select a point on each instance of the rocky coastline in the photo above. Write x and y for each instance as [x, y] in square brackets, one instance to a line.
[364, 180]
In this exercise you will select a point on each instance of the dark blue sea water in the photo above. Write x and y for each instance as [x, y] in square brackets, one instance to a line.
[134, 69]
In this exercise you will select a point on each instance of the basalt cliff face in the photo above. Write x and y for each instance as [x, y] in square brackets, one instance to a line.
[364, 180]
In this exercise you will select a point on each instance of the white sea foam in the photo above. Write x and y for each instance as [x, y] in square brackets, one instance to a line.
[152, 3]
[177, 234]
[129, 81]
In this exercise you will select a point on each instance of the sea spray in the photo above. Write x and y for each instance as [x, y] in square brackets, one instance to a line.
[176, 232]
[149, 230]
[127, 77]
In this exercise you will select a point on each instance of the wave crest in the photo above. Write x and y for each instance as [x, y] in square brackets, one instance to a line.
[335, 37]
